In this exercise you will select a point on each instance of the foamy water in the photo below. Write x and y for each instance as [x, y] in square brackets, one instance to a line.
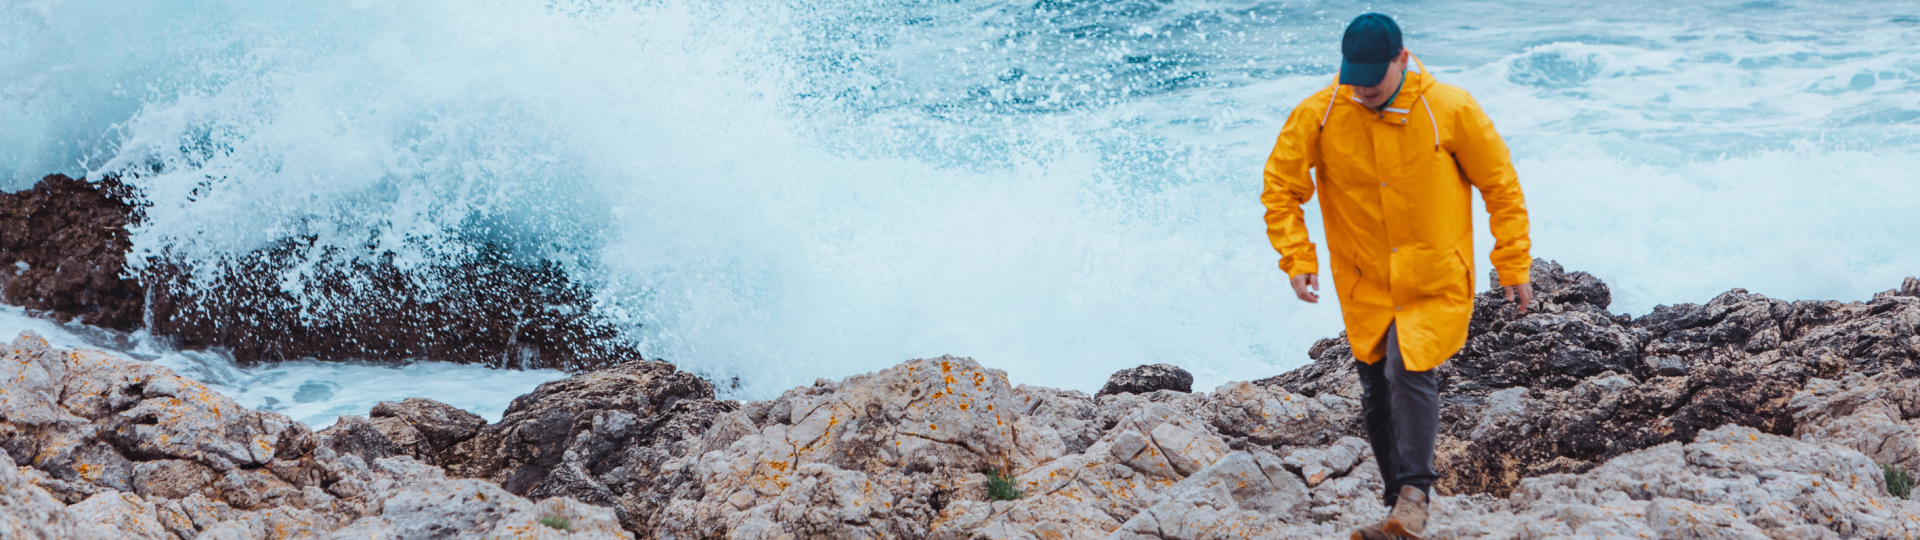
[784, 191]
[312, 392]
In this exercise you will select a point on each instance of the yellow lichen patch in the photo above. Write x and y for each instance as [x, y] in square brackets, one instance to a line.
[989, 407]
[88, 471]
[931, 427]
[777, 465]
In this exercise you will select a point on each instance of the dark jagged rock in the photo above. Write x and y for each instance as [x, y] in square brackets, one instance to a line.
[63, 245]
[490, 308]
[1147, 379]
[440, 426]
[603, 437]
[356, 436]
[1570, 385]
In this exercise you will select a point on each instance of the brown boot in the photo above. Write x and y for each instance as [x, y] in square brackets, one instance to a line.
[1370, 532]
[1409, 517]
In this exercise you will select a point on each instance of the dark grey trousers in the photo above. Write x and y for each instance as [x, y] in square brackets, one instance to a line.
[1402, 417]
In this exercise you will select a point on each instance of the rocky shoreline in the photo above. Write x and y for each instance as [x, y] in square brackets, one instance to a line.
[1746, 417]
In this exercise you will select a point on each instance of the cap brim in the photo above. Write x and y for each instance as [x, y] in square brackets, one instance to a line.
[1363, 74]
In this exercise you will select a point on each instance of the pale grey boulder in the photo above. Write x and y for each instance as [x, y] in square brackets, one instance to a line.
[1273, 416]
[423, 503]
[1242, 495]
[125, 513]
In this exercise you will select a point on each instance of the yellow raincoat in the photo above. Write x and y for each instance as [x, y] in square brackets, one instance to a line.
[1398, 216]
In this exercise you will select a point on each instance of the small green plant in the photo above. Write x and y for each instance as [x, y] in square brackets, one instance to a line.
[557, 523]
[1899, 483]
[1000, 486]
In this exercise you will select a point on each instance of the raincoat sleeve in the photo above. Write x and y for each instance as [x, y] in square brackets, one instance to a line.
[1289, 184]
[1482, 155]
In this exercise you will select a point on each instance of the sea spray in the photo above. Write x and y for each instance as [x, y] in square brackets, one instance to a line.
[776, 192]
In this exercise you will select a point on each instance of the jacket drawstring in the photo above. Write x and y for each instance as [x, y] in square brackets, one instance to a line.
[1323, 116]
[1430, 120]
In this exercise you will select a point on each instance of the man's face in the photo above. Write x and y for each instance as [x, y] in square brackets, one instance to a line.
[1376, 96]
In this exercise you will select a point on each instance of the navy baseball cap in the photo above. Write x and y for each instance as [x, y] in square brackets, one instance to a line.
[1371, 44]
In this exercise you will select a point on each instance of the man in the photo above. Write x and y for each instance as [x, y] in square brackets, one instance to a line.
[1393, 152]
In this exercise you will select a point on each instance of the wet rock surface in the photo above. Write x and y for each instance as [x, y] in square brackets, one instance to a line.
[63, 248]
[489, 308]
[63, 244]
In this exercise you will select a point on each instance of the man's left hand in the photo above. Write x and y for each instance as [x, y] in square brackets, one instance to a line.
[1525, 291]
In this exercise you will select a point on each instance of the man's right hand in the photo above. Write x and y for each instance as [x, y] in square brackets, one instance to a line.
[1307, 287]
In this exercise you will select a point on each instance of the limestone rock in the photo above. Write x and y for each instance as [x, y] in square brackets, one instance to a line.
[875, 455]
[29, 512]
[1317, 465]
[1273, 416]
[141, 453]
[123, 512]
[108, 408]
[1240, 496]
[428, 505]
[173, 478]
[1148, 378]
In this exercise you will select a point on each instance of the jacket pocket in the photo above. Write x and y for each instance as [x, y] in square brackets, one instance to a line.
[1447, 275]
[1466, 267]
[1346, 279]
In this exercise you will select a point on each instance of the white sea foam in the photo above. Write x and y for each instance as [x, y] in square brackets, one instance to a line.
[312, 392]
[780, 191]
